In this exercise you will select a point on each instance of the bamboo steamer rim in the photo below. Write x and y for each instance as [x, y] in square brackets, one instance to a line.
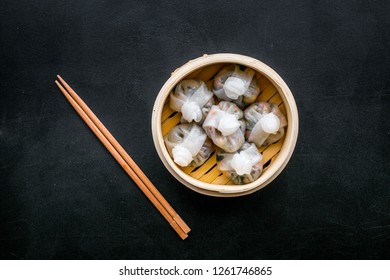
[274, 169]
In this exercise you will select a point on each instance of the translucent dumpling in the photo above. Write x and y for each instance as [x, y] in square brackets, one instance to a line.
[264, 123]
[188, 145]
[225, 126]
[243, 166]
[236, 85]
[193, 99]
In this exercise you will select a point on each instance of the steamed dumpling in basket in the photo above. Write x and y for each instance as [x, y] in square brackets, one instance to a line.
[188, 145]
[236, 85]
[225, 126]
[193, 99]
[264, 123]
[243, 166]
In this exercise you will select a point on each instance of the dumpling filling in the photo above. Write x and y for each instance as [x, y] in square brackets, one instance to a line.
[225, 126]
[188, 145]
[193, 99]
[264, 123]
[243, 166]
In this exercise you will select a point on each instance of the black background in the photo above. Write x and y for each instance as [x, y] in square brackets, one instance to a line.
[63, 196]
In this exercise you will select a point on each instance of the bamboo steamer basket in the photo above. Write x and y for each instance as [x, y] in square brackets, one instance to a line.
[207, 179]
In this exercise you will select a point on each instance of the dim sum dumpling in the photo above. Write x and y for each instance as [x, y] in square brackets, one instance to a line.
[236, 85]
[264, 123]
[243, 166]
[225, 126]
[193, 99]
[188, 145]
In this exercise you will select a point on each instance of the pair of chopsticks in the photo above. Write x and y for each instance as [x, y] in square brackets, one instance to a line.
[124, 159]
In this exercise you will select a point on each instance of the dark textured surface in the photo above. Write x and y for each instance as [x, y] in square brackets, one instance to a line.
[62, 195]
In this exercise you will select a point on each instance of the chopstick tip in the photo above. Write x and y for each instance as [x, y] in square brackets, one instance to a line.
[183, 237]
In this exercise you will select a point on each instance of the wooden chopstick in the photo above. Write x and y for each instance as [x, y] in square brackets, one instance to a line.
[159, 204]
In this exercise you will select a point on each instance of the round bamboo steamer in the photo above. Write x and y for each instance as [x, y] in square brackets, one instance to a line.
[207, 179]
